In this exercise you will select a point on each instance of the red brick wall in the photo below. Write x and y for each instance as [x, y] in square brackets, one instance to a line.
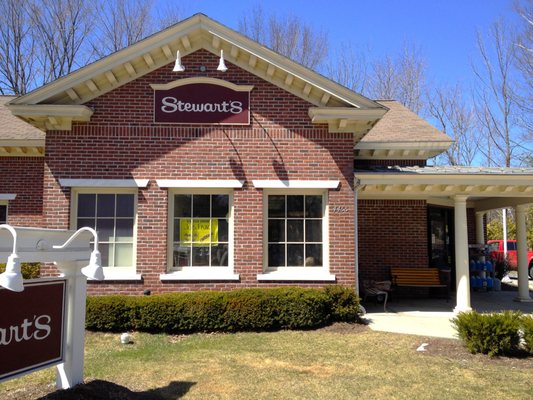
[23, 176]
[122, 142]
[391, 233]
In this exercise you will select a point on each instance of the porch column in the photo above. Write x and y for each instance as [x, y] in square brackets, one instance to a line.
[521, 250]
[480, 228]
[461, 255]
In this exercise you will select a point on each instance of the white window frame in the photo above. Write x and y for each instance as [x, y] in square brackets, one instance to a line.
[199, 273]
[297, 273]
[5, 203]
[111, 273]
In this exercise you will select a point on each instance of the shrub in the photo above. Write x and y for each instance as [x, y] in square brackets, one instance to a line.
[344, 304]
[238, 310]
[29, 270]
[492, 334]
[527, 328]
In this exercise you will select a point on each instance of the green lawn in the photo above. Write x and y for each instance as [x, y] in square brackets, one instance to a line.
[322, 364]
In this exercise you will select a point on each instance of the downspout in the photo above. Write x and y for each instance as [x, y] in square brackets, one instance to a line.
[356, 187]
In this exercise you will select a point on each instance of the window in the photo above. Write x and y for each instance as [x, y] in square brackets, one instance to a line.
[112, 215]
[296, 235]
[295, 231]
[200, 230]
[3, 213]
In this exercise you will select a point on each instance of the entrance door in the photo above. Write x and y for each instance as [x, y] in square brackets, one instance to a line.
[441, 239]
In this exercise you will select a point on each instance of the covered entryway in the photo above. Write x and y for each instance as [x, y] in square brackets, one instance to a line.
[470, 192]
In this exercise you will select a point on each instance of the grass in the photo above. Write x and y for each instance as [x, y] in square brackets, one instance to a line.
[319, 364]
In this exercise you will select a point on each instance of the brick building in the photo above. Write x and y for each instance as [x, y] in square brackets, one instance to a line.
[261, 174]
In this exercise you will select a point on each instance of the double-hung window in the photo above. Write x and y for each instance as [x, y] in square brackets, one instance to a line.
[295, 231]
[3, 213]
[112, 213]
[200, 235]
[295, 235]
[4, 199]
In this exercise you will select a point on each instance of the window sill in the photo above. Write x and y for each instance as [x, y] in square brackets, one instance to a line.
[199, 276]
[119, 276]
[296, 276]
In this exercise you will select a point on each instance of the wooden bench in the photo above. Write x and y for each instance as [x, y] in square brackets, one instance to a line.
[419, 277]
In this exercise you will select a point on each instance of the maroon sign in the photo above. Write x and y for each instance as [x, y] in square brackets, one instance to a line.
[202, 103]
[31, 327]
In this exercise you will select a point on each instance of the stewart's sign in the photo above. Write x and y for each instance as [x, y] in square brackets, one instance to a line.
[31, 327]
[202, 101]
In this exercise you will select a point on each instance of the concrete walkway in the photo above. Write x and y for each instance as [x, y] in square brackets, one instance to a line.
[432, 317]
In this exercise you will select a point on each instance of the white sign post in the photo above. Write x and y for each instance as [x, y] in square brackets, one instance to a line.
[70, 251]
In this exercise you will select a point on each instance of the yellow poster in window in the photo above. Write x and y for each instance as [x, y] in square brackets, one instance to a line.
[201, 232]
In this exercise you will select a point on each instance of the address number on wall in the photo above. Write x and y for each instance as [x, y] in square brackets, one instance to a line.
[339, 210]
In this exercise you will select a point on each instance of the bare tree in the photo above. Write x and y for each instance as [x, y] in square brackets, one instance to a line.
[289, 36]
[496, 97]
[62, 27]
[349, 67]
[121, 23]
[458, 120]
[17, 48]
[524, 63]
[401, 78]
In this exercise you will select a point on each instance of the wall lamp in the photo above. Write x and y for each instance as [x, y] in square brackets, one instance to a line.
[12, 278]
[178, 66]
[94, 269]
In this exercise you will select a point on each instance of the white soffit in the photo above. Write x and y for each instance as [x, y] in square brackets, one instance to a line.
[104, 183]
[200, 184]
[277, 184]
[7, 196]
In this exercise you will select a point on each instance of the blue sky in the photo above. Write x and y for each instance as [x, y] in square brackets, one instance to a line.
[445, 30]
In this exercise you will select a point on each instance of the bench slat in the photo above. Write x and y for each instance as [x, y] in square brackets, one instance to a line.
[423, 277]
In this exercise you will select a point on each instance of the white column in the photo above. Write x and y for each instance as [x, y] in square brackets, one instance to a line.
[70, 373]
[461, 255]
[480, 228]
[521, 250]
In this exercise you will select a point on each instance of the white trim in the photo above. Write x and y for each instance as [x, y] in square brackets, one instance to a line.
[201, 79]
[307, 275]
[104, 183]
[197, 184]
[7, 196]
[277, 184]
[110, 275]
[190, 275]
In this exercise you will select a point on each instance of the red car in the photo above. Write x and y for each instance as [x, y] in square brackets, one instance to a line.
[497, 254]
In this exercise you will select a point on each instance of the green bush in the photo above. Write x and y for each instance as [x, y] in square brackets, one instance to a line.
[238, 310]
[29, 270]
[492, 334]
[527, 328]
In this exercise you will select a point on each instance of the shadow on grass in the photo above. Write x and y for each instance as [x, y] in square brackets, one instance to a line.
[104, 390]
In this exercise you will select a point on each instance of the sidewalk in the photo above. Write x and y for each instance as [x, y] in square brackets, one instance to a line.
[432, 317]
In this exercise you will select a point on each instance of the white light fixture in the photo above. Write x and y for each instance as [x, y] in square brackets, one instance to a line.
[94, 269]
[178, 67]
[12, 278]
[221, 65]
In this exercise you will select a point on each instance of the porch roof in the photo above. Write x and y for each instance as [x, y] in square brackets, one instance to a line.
[484, 188]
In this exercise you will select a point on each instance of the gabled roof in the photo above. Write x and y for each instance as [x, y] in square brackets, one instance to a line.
[197, 32]
[401, 134]
[18, 138]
